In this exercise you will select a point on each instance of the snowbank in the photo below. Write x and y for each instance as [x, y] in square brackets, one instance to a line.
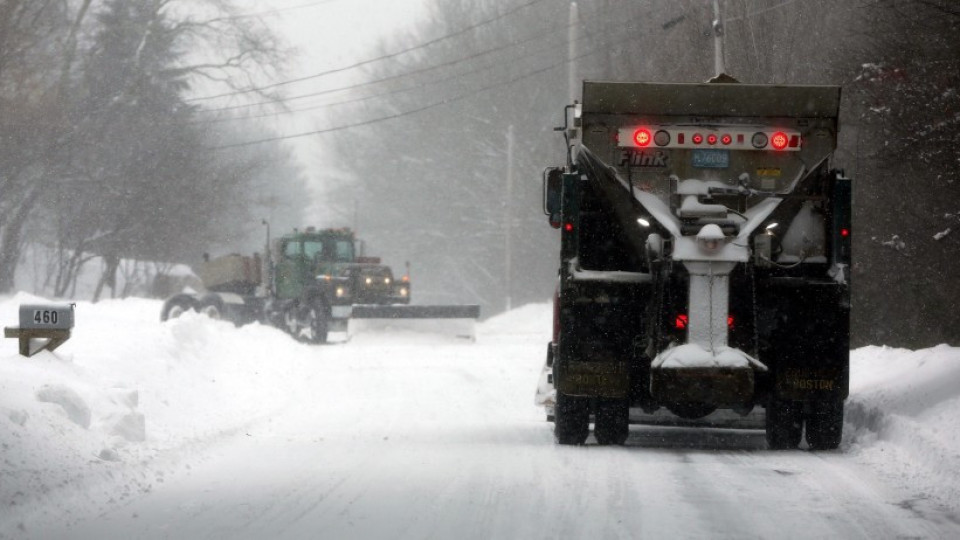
[903, 418]
[129, 401]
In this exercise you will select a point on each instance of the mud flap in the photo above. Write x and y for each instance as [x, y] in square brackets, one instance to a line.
[594, 379]
[812, 383]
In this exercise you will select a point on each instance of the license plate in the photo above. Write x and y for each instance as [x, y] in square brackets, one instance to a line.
[711, 159]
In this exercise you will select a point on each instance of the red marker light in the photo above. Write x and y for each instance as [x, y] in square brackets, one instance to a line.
[568, 227]
[697, 138]
[642, 137]
[681, 322]
[726, 139]
[730, 321]
[711, 139]
[779, 140]
[844, 232]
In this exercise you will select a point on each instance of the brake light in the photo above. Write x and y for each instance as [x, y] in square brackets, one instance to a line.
[642, 137]
[779, 140]
[845, 232]
[726, 139]
[682, 320]
[568, 227]
[711, 139]
[697, 138]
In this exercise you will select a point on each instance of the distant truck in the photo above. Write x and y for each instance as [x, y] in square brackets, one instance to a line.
[301, 287]
[374, 283]
[705, 247]
[311, 283]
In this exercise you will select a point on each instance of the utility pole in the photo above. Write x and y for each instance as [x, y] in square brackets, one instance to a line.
[719, 66]
[572, 90]
[508, 221]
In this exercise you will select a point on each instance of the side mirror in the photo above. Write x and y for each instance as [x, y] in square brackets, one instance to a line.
[552, 191]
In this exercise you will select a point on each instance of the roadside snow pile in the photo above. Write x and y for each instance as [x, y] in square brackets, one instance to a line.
[129, 402]
[903, 417]
[122, 404]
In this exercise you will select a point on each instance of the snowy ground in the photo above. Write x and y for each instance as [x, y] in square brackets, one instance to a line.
[196, 429]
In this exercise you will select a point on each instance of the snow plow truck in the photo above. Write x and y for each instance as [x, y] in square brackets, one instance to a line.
[311, 283]
[704, 260]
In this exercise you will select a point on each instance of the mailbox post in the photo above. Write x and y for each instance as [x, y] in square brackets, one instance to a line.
[50, 322]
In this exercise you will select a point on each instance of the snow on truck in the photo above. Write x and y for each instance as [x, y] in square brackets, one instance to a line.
[704, 260]
[311, 283]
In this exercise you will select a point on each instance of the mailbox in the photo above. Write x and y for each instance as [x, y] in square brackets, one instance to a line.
[52, 316]
[47, 324]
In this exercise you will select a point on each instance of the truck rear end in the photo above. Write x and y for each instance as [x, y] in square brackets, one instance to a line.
[705, 247]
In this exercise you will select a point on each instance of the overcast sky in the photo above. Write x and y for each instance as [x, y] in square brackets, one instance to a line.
[329, 34]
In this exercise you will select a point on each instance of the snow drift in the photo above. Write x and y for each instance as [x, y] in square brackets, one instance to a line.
[130, 402]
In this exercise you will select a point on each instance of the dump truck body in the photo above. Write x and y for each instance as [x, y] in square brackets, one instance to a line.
[704, 255]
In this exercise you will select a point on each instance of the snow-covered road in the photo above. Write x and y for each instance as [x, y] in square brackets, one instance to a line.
[407, 436]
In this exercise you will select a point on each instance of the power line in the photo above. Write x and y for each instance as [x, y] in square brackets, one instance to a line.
[377, 59]
[280, 10]
[534, 37]
[416, 110]
[760, 11]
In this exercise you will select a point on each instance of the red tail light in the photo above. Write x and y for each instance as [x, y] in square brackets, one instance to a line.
[642, 137]
[779, 140]
[682, 320]
[568, 227]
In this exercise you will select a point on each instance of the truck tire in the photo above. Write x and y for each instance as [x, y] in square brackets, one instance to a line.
[177, 306]
[316, 323]
[784, 424]
[612, 424]
[825, 425]
[211, 306]
[571, 420]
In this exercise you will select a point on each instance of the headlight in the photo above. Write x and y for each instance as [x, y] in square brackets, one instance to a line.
[403, 291]
[386, 280]
[341, 292]
[369, 281]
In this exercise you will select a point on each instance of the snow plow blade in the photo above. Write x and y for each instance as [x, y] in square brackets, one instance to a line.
[455, 320]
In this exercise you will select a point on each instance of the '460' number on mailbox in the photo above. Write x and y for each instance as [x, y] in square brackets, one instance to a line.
[45, 316]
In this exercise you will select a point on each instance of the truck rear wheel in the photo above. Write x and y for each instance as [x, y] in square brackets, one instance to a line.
[212, 307]
[612, 424]
[784, 424]
[825, 425]
[176, 307]
[571, 419]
